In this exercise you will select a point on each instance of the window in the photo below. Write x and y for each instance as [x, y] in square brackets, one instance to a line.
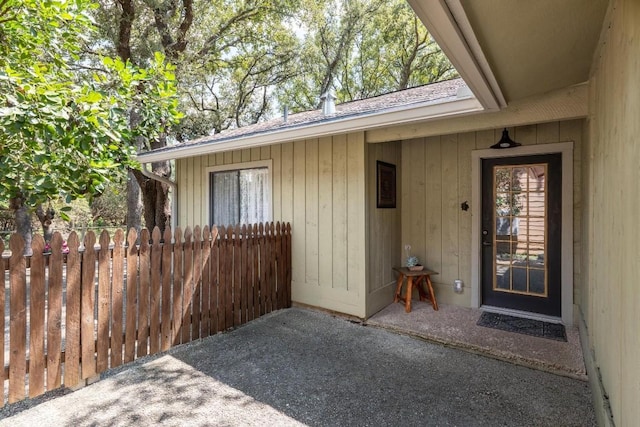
[240, 196]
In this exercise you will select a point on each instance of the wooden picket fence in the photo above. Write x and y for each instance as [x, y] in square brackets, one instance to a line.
[74, 315]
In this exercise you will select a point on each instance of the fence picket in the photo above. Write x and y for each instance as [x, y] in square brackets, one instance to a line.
[288, 275]
[171, 293]
[72, 335]
[187, 286]
[131, 297]
[36, 319]
[156, 296]
[279, 267]
[104, 303]
[197, 283]
[87, 292]
[217, 319]
[272, 270]
[54, 315]
[167, 248]
[255, 279]
[143, 294]
[177, 288]
[117, 298]
[17, 319]
[237, 284]
[206, 282]
[228, 277]
[2, 314]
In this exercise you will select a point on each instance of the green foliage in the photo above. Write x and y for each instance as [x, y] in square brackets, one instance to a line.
[63, 132]
[362, 48]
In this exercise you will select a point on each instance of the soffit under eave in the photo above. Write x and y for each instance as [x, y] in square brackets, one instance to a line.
[536, 47]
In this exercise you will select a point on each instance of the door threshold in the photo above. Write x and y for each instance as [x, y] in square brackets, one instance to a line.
[518, 313]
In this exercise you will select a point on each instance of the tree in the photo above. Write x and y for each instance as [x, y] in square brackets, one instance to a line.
[228, 63]
[362, 48]
[60, 134]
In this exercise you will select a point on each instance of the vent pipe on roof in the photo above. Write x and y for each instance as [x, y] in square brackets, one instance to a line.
[285, 113]
[328, 103]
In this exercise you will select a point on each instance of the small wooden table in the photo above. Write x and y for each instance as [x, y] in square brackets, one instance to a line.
[414, 278]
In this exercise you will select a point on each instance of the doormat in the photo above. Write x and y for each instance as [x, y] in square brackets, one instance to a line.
[537, 328]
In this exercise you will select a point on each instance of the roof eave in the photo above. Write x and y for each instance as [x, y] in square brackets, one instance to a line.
[342, 125]
[449, 26]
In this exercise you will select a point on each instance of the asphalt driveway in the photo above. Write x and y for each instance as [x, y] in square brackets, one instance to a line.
[299, 367]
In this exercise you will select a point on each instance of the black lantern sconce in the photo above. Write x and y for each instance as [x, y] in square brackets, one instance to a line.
[505, 141]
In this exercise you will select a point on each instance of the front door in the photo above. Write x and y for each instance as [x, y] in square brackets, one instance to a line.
[521, 233]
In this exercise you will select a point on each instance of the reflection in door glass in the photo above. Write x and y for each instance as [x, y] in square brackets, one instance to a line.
[520, 233]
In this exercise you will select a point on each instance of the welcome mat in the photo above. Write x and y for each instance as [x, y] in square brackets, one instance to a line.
[537, 328]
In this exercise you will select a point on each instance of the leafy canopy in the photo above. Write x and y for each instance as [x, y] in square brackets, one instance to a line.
[63, 131]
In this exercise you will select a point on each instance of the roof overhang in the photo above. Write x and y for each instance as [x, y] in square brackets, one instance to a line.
[509, 50]
[392, 117]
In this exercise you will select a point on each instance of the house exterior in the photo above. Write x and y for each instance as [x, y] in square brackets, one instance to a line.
[546, 233]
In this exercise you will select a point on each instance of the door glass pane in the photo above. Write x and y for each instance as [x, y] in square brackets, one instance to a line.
[520, 233]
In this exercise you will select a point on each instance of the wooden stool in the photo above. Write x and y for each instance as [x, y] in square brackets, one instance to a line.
[414, 278]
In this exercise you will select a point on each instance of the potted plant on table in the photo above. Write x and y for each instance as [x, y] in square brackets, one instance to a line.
[412, 263]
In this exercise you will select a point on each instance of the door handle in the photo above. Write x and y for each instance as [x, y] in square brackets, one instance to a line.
[487, 243]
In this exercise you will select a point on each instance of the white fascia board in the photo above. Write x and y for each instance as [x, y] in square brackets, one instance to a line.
[348, 124]
[447, 32]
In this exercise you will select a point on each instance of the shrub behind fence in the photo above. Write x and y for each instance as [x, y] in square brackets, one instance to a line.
[74, 315]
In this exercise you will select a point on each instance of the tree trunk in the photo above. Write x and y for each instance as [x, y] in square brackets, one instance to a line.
[23, 223]
[134, 204]
[46, 220]
[155, 197]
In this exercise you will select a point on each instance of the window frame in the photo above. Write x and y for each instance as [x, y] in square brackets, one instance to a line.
[257, 164]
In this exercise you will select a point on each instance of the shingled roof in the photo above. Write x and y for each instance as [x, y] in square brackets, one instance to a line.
[432, 94]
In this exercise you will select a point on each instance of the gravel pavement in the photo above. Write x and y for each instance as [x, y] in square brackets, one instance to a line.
[300, 367]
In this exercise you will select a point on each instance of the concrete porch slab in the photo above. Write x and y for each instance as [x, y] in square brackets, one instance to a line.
[456, 327]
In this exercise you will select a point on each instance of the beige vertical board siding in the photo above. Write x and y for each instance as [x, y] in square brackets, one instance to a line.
[255, 154]
[485, 139]
[298, 248]
[246, 155]
[356, 230]
[219, 159]
[450, 208]
[276, 190]
[286, 180]
[614, 253]
[417, 196]
[228, 157]
[181, 171]
[192, 194]
[265, 152]
[572, 131]
[383, 230]
[325, 211]
[199, 203]
[436, 179]
[525, 135]
[548, 133]
[339, 210]
[311, 209]
[466, 143]
[237, 156]
[432, 208]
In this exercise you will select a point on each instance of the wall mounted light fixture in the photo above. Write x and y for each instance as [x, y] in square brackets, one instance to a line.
[505, 141]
